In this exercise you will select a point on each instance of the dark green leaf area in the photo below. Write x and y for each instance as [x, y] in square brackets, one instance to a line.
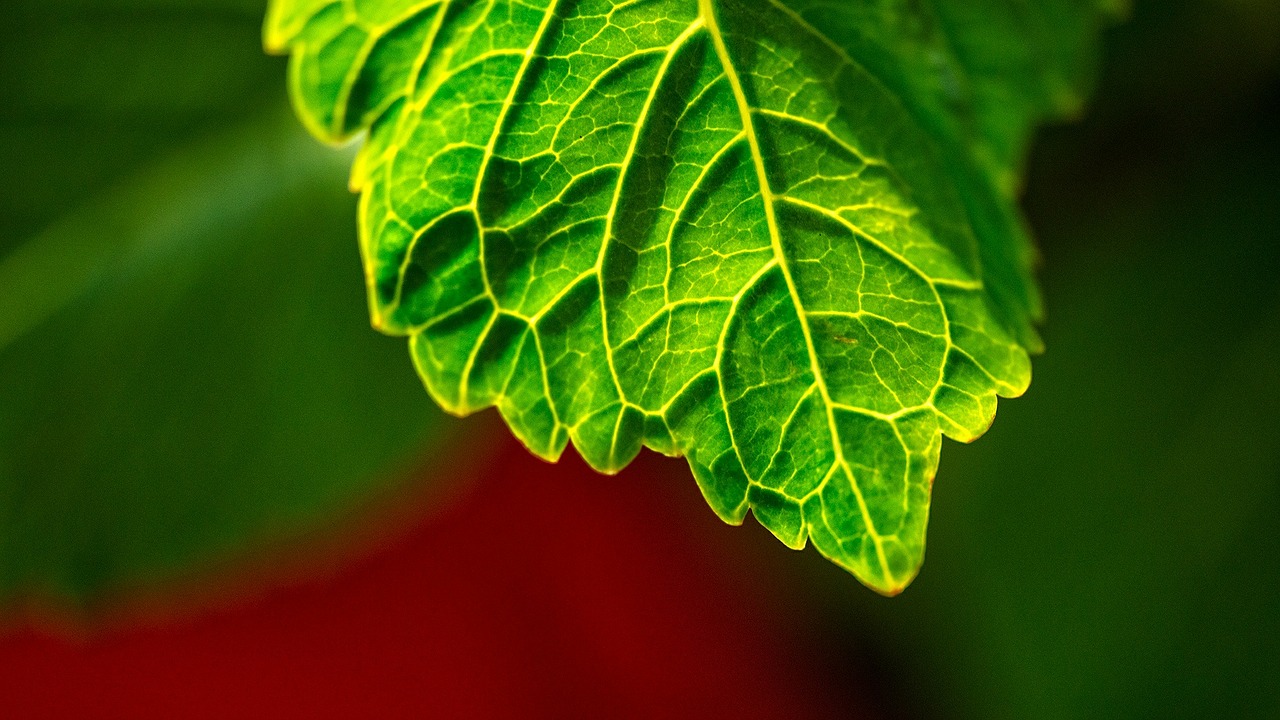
[210, 390]
[701, 226]
[94, 89]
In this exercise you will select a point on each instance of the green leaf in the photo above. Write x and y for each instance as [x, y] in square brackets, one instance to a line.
[187, 377]
[778, 238]
[180, 402]
[95, 89]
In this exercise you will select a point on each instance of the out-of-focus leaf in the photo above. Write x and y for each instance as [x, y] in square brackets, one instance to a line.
[775, 237]
[95, 88]
[186, 376]
[206, 385]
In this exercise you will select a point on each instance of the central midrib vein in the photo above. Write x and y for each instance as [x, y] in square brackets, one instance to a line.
[708, 14]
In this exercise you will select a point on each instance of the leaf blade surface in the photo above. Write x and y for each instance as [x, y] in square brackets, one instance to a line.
[701, 226]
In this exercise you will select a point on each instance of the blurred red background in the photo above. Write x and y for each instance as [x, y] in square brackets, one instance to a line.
[540, 590]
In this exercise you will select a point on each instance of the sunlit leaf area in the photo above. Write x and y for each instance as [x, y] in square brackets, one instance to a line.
[709, 228]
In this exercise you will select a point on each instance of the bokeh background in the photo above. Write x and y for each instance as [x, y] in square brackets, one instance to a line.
[223, 495]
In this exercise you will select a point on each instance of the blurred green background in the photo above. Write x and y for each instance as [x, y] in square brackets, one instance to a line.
[187, 374]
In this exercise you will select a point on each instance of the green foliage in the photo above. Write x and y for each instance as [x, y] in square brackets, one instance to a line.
[777, 238]
[170, 400]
